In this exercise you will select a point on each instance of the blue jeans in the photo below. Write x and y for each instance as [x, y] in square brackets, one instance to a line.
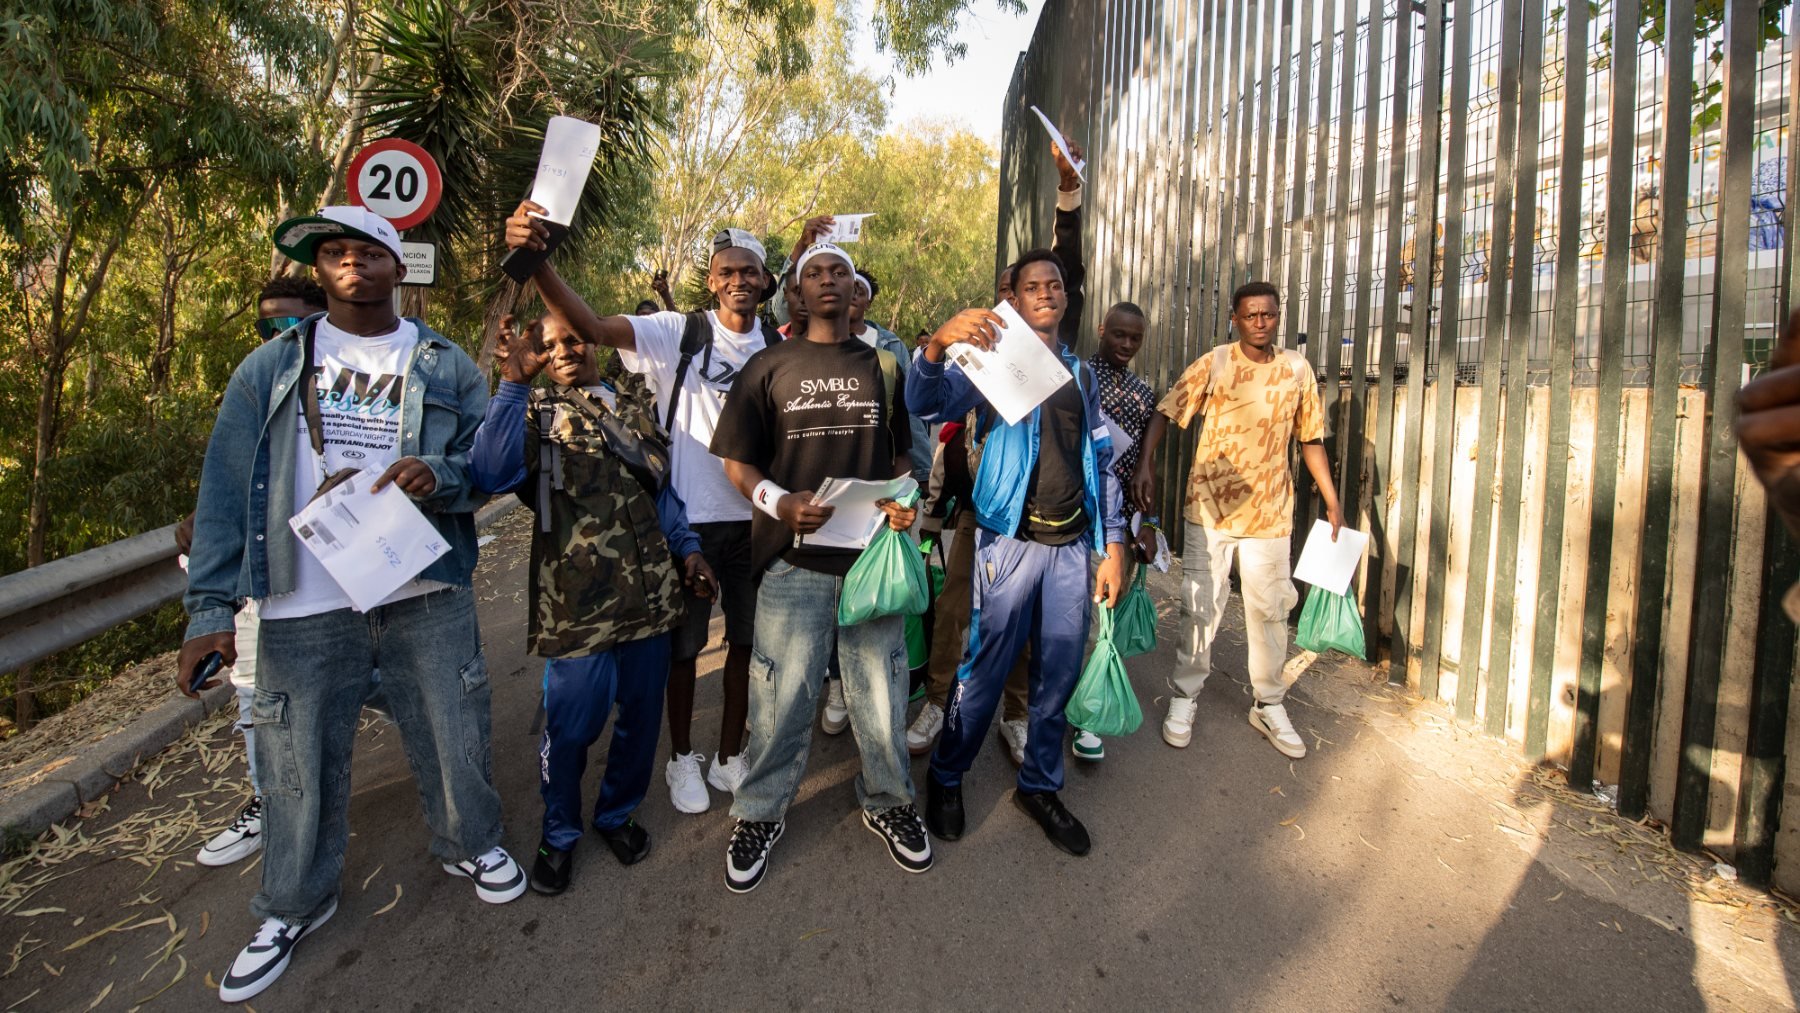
[1024, 593]
[796, 627]
[314, 674]
[579, 694]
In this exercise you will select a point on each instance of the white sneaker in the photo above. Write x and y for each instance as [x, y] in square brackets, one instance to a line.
[259, 964]
[687, 789]
[728, 775]
[1013, 734]
[1272, 721]
[1178, 725]
[241, 839]
[1088, 746]
[922, 734]
[837, 713]
[497, 877]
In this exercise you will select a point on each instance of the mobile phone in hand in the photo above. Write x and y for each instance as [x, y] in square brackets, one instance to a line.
[207, 668]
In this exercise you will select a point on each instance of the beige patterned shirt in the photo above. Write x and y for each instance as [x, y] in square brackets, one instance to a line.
[1240, 483]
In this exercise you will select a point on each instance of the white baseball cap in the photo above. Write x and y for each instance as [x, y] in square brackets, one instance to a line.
[298, 238]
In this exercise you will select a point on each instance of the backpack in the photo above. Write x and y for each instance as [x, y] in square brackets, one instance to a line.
[696, 336]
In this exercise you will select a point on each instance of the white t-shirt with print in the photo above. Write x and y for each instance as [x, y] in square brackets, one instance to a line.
[361, 381]
[699, 476]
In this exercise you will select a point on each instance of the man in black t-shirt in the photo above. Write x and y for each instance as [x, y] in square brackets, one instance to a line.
[821, 406]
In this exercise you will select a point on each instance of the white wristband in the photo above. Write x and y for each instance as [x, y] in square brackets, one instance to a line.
[766, 495]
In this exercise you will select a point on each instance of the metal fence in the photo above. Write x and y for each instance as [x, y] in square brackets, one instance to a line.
[1580, 212]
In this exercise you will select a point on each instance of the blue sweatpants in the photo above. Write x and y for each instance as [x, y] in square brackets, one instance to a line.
[1024, 593]
[579, 694]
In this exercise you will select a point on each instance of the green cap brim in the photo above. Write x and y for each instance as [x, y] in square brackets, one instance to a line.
[298, 239]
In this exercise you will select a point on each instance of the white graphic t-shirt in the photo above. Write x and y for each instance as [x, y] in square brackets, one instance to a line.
[699, 476]
[361, 380]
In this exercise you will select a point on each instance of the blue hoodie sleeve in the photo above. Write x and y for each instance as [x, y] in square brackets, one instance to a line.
[671, 514]
[1112, 496]
[939, 391]
[497, 459]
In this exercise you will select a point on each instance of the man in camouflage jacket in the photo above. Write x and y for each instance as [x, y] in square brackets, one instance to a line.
[605, 581]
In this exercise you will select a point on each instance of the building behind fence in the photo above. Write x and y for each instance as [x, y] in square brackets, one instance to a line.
[1591, 230]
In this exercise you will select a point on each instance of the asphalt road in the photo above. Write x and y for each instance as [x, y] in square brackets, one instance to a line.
[1222, 877]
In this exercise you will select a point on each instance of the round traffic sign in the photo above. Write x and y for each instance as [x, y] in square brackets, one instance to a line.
[397, 180]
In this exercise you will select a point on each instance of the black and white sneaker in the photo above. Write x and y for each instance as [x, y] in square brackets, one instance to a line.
[904, 833]
[497, 877]
[259, 964]
[748, 856]
[239, 840]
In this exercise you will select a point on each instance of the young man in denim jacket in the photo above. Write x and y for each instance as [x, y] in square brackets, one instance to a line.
[1045, 496]
[392, 395]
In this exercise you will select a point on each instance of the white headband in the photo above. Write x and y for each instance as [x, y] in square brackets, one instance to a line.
[818, 249]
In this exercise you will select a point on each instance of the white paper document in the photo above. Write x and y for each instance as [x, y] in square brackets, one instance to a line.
[569, 148]
[1328, 564]
[370, 543]
[1163, 557]
[1062, 144]
[1018, 373]
[1121, 440]
[845, 228]
[855, 516]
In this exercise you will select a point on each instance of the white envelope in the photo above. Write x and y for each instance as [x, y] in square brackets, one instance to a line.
[569, 149]
[1018, 373]
[1328, 564]
[371, 543]
[846, 228]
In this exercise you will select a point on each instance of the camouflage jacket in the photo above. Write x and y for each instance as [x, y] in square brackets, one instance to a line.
[605, 555]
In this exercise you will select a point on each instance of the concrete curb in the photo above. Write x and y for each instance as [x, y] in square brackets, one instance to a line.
[98, 767]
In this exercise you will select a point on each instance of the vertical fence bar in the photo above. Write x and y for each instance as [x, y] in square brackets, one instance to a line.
[1263, 120]
[1316, 189]
[1722, 373]
[1418, 333]
[1622, 148]
[1518, 342]
[1437, 545]
[1244, 126]
[1351, 488]
[1562, 376]
[1380, 482]
[1278, 187]
[1488, 487]
[1334, 330]
[1300, 212]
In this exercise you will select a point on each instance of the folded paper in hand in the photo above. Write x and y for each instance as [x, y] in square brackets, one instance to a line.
[1018, 373]
[370, 542]
[855, 514]
[569, 148]
[1328, 564]
[845, 228]
[1062, 144]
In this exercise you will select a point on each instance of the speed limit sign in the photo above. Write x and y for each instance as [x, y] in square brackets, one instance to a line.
[397, 180]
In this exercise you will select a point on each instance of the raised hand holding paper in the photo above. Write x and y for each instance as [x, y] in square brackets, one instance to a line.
[1062, 144]
[1328, 564]
[370, 542]
[569, 149]
[1018, 373]
[846, 228]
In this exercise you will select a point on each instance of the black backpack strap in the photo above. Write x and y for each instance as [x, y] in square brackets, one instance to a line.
[696, 334]
[770, 334]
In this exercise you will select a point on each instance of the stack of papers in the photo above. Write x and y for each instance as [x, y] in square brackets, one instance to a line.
[855, 516]
[370, 542]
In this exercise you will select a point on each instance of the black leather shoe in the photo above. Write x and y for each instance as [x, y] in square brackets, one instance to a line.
[943, 810]
[551, 871]
[628, 841]
[1063, 829]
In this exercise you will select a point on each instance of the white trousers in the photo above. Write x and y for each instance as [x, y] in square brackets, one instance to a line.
[1269, 595]
[243, 680]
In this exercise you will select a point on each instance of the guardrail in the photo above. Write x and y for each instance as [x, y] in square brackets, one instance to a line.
[69, 601]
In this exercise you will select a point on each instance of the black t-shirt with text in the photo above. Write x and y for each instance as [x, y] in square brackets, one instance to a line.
[803, 412]
[1055, 509]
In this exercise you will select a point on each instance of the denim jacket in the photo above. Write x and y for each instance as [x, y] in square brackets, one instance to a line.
[940, 392]
[243, 547]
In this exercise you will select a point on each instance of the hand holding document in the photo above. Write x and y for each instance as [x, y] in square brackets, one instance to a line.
[1062, 144]
[370, 542]
[1018, 373]
[845, 228]
[856, 515]
[1328, 564]
[569, 149]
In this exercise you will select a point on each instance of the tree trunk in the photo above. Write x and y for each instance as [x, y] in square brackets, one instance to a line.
[505, 301]
[173, 267]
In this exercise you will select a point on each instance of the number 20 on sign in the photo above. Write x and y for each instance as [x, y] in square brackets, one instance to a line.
[397, 180]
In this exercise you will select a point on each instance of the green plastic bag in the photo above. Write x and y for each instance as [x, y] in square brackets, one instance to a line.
[1134, 629]
[1331, 622]
[1104, 702]
[888, 579]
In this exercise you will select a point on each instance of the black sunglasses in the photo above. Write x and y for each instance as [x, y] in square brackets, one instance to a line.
[268, 327]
